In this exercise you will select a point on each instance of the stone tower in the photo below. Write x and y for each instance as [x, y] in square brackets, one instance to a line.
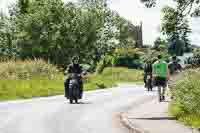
[139, 36]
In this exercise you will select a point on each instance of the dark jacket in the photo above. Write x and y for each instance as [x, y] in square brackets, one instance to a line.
[74, 68]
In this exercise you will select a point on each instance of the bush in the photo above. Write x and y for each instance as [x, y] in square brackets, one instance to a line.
[87, 67]
[186, 104]
[128, 58]
[153, 54]
[123, 57]
[107, 61]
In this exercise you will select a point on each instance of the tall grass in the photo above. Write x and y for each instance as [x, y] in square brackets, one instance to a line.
[25, 70]
[30, 78]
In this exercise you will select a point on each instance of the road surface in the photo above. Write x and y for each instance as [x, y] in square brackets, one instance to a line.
[98, 112]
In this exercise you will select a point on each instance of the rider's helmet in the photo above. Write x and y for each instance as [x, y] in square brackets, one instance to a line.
[75, 60]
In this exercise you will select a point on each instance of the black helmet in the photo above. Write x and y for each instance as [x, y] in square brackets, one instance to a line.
[75, 58]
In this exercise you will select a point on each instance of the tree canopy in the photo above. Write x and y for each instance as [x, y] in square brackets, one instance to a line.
[56, 31]
[185, 7]
[175, 22]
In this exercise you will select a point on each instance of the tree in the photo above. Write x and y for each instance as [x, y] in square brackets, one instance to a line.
[186, 7]
[23, 6]
[175, 26]
[177, 47]
[54, 31]
[7, 31]
[160, 44]
[175, 20]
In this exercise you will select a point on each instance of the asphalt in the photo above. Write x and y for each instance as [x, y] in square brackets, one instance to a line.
[98, 112]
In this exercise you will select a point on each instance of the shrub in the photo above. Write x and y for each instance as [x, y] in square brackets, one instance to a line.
[128, 58]
[107, 61]
[187, 97]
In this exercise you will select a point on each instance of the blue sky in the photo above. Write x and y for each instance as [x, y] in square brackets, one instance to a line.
[136, 12]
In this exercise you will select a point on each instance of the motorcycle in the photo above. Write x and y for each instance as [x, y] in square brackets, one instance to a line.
[74, 88]
[149, 83]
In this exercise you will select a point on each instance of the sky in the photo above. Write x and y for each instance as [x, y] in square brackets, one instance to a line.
[135, 11]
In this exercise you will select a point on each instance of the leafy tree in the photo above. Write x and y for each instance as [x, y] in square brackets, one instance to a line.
[55, 31]
[160, 44]
[23, 6]
[177, 47]
[185, 7]
[7, 31]
[196, 52]
[175, 26]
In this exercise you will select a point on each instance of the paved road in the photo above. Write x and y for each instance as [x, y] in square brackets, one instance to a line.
[97, 113]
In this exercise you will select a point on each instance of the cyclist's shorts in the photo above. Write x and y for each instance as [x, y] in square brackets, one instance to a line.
[160, 81]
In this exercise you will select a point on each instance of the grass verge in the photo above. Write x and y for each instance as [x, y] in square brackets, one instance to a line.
[11, 89]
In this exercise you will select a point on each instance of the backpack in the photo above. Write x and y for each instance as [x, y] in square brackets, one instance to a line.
[160, 69]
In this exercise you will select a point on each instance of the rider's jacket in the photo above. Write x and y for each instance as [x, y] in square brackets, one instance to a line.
[74, 68]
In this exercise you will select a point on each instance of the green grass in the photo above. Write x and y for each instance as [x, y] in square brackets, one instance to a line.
[111, 76]
[43, 87]
[23, 89]
[186, 105]
[191, 120]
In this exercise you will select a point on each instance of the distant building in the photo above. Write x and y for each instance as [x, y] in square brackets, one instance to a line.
[138, 35]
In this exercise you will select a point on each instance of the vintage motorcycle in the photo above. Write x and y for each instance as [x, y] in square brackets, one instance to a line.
[74, 91]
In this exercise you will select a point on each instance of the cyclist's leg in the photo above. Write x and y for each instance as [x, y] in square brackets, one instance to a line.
[145, 76]
[163, 92]
[164, 89]
[159, 93]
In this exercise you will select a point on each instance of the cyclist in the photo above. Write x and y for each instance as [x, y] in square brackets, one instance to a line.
[174, 66]
[147, 72]
[161, 76]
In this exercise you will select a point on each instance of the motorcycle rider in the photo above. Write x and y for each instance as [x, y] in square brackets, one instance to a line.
[73, 68]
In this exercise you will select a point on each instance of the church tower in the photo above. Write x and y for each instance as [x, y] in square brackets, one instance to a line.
[139, 35]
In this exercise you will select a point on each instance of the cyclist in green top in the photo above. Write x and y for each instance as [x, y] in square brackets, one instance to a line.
[161, 76]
